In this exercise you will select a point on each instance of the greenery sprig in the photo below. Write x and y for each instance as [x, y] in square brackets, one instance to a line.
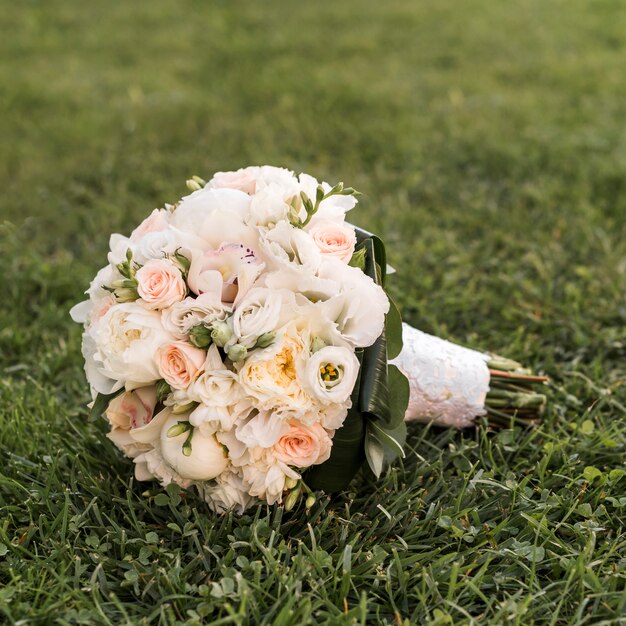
[303, 201]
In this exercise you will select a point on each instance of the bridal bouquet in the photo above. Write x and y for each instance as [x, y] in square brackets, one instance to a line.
[241, 342]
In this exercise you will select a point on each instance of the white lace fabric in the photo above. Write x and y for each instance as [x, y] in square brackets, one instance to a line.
[448, 382]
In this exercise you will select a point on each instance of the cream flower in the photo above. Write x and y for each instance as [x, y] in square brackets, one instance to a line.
[271, 376]
[228, 492]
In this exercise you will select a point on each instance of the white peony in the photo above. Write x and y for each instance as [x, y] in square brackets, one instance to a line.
[127, 339]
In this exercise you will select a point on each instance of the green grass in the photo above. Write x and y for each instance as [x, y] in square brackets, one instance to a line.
[489, 141]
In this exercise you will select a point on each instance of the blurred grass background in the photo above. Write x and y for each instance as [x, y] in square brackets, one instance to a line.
[489, 141]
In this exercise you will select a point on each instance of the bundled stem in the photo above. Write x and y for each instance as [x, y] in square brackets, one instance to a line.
[514, 394]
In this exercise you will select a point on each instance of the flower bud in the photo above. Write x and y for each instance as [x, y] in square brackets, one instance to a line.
[184, 408]
[290, 482]
[193, 185]
[221, 333]
[200, 336]
[199, 180]
[265, 340]
[178, 429]
[310, 501]
[291, 499]
[126, 294]
[237, 352]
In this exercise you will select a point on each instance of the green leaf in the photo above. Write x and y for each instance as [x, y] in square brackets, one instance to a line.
[392, 439]
[399, 392]
[345, 459]
[101, 403]
[374, 393]
[393, 329]
[374, 453]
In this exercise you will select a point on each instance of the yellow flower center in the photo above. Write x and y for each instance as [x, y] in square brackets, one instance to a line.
[329, 373]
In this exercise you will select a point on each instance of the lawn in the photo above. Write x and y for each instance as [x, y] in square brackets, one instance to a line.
[489, 143]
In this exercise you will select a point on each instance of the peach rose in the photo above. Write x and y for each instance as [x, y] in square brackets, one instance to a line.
[179, 363]
[160, 284]
[303, 445]
[243, 180]
[155, 222]
[334, 239]
[132, 409]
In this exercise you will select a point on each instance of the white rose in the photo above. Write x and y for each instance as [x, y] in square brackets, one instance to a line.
[156, 245]
[100, 300]
[331, 374]
[127, 339]
[284, 178]
[192, 210]
[181, 317]
[261, 311]
[206, 460]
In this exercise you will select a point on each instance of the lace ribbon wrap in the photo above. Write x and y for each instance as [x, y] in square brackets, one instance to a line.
[448, 382]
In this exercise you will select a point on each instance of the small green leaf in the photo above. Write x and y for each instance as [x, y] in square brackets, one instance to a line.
[101, 403]
[591, 473]
[587, 427]
[393, 328]
[374, 453]
[399, 393]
